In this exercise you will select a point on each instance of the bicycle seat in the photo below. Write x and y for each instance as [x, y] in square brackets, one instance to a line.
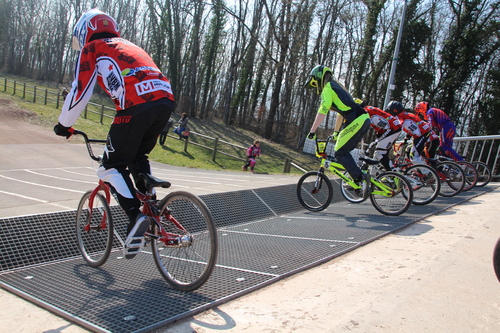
[151, 181]
[369, 161]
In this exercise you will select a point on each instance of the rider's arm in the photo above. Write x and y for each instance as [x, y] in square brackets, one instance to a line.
[81, 90]
[327, 97]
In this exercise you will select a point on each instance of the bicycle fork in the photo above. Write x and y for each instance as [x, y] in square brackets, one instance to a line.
[102, 225]
[318, 182]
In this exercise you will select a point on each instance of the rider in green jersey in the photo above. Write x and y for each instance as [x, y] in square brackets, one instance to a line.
[350, 131]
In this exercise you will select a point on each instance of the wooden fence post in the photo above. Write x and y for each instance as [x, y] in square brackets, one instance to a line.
[186, 144]
[14, 93]
[34, 94]
[286, 167]
[24, 90]
[57, 101]
[5, 84]
[45, 102]
[216, 142]
[102, 113]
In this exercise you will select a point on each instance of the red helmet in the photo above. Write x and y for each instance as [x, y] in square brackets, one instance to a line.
[421, 109]
[93, 22]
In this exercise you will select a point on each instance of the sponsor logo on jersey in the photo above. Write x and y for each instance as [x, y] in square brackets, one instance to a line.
[149, 86]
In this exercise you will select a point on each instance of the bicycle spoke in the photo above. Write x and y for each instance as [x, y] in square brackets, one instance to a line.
[94, 241]
[314, 191]
[392, 193]
[188, 260]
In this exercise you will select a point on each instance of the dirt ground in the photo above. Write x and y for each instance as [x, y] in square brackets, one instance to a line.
[21, 126]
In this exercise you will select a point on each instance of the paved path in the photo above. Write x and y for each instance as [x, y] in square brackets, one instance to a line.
[40, 178]
[434, 276]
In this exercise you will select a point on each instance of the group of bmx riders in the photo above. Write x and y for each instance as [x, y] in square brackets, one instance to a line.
[144, 102]
[421, 126]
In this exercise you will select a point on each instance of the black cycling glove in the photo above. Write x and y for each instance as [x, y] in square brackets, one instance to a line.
[63, 130]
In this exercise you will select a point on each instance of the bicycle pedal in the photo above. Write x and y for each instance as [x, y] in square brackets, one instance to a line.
[130, 253]
[134, 242]
[133, 247]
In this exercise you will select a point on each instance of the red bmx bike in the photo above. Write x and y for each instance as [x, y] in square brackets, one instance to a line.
[182, 237]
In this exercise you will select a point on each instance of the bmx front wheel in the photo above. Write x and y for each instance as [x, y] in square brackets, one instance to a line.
[188, 259]
[391, 193]
[425, 183]
[314, 191]
[94, 229]
[483, 173]
[452, 178]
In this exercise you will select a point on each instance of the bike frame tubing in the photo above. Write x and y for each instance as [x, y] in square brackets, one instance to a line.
[337, 169]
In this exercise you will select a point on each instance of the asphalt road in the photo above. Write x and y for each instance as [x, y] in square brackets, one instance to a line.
[41, 178]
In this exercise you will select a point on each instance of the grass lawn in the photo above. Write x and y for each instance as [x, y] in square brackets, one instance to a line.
[173, 152]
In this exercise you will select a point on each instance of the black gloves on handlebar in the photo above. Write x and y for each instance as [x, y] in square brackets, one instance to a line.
[63, 130]
[311, 136]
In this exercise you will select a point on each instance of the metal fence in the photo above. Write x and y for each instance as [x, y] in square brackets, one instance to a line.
[480, 148]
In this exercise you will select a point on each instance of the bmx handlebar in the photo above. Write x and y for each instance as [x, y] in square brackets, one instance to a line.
[88, 143]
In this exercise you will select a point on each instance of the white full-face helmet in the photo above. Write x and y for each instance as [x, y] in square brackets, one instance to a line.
[90, 23]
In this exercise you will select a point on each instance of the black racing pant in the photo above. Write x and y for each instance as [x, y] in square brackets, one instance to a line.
[131, 138]
[348, 139]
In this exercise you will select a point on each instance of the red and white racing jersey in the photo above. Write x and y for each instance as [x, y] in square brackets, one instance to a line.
[124, 70]
[382, 121]
[413, 125]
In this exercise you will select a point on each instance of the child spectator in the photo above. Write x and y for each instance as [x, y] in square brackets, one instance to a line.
[252, 152]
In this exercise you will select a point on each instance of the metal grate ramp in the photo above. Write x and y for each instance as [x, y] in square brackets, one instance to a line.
[265, 235]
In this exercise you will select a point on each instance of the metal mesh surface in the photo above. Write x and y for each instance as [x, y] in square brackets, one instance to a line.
[263, 236]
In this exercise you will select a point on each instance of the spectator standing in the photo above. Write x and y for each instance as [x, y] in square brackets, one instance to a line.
[164, 132]
[64, 93]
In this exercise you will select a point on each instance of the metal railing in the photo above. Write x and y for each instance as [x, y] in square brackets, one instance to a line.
[480, 148]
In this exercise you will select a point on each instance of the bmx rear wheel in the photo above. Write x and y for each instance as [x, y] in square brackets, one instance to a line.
[188, 262]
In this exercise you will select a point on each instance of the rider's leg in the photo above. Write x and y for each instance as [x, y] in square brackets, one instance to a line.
[252, 164]
[347, 140]
[129, 142]
[382, 149]
[447, 136]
